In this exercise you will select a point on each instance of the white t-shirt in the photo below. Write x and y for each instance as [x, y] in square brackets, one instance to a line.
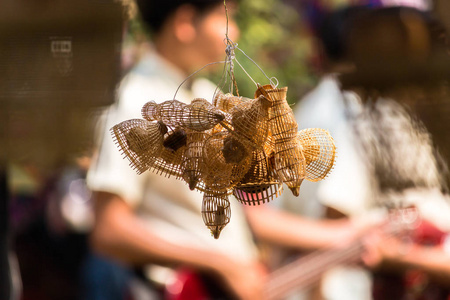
[166, 205]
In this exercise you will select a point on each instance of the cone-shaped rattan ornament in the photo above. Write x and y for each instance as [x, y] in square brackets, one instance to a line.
[216, 211]
[201, 115]
[290, 164]
[289, 160]
[193, 164]
[140, 141]
[319, 151]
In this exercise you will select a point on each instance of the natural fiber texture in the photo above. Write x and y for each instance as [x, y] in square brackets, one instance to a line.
[260, 184]
[256, 194]
[200, 115]
[241, 146]
[226, 102]
[319, 151]
[193, 163]
[218, 172]
[249, 120]
[290, 164]
[216, 211]
[289, 160]
[140, 141]
[261, 170]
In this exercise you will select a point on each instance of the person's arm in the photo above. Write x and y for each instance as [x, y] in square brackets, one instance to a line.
[289, 230]
[119, 234]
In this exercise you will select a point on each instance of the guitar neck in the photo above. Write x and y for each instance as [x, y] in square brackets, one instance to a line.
[307, 270]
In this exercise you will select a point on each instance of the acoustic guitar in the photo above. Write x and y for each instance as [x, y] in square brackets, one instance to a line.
[297, 275]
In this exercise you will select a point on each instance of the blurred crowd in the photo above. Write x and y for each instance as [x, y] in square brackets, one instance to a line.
[378, 227]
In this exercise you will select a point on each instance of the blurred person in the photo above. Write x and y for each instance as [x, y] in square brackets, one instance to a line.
[147, 220]
[385, 157]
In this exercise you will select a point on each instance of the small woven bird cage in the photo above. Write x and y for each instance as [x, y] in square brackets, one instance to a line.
[140, 141]
[169, 112]
[319, 151]
[200, 115]
[193, 164]
[216, 211]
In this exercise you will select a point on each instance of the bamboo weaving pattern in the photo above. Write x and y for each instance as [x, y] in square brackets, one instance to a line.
[235, 145]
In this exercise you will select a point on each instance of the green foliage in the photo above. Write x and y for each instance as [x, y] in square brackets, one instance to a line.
[273, 35]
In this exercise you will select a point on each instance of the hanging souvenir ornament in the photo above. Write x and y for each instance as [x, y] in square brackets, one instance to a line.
[246, 147]
[216, 211]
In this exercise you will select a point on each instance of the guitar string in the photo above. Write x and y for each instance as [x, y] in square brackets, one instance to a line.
[310, 258]
[283, 278]
[300, 283]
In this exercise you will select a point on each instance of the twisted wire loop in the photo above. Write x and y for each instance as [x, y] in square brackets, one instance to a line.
[260, 184]
[140, 141]
[216, 211]
[319, 150]
[230, 58]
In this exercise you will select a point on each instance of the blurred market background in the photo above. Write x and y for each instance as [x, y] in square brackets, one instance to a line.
[47, 117]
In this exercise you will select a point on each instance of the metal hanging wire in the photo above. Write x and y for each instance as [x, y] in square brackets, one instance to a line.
[228, 73]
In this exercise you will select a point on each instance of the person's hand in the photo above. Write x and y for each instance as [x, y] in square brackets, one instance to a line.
[246, 280]
[380, 247]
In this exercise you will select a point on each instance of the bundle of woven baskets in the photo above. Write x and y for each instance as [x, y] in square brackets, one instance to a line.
[235, 145]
